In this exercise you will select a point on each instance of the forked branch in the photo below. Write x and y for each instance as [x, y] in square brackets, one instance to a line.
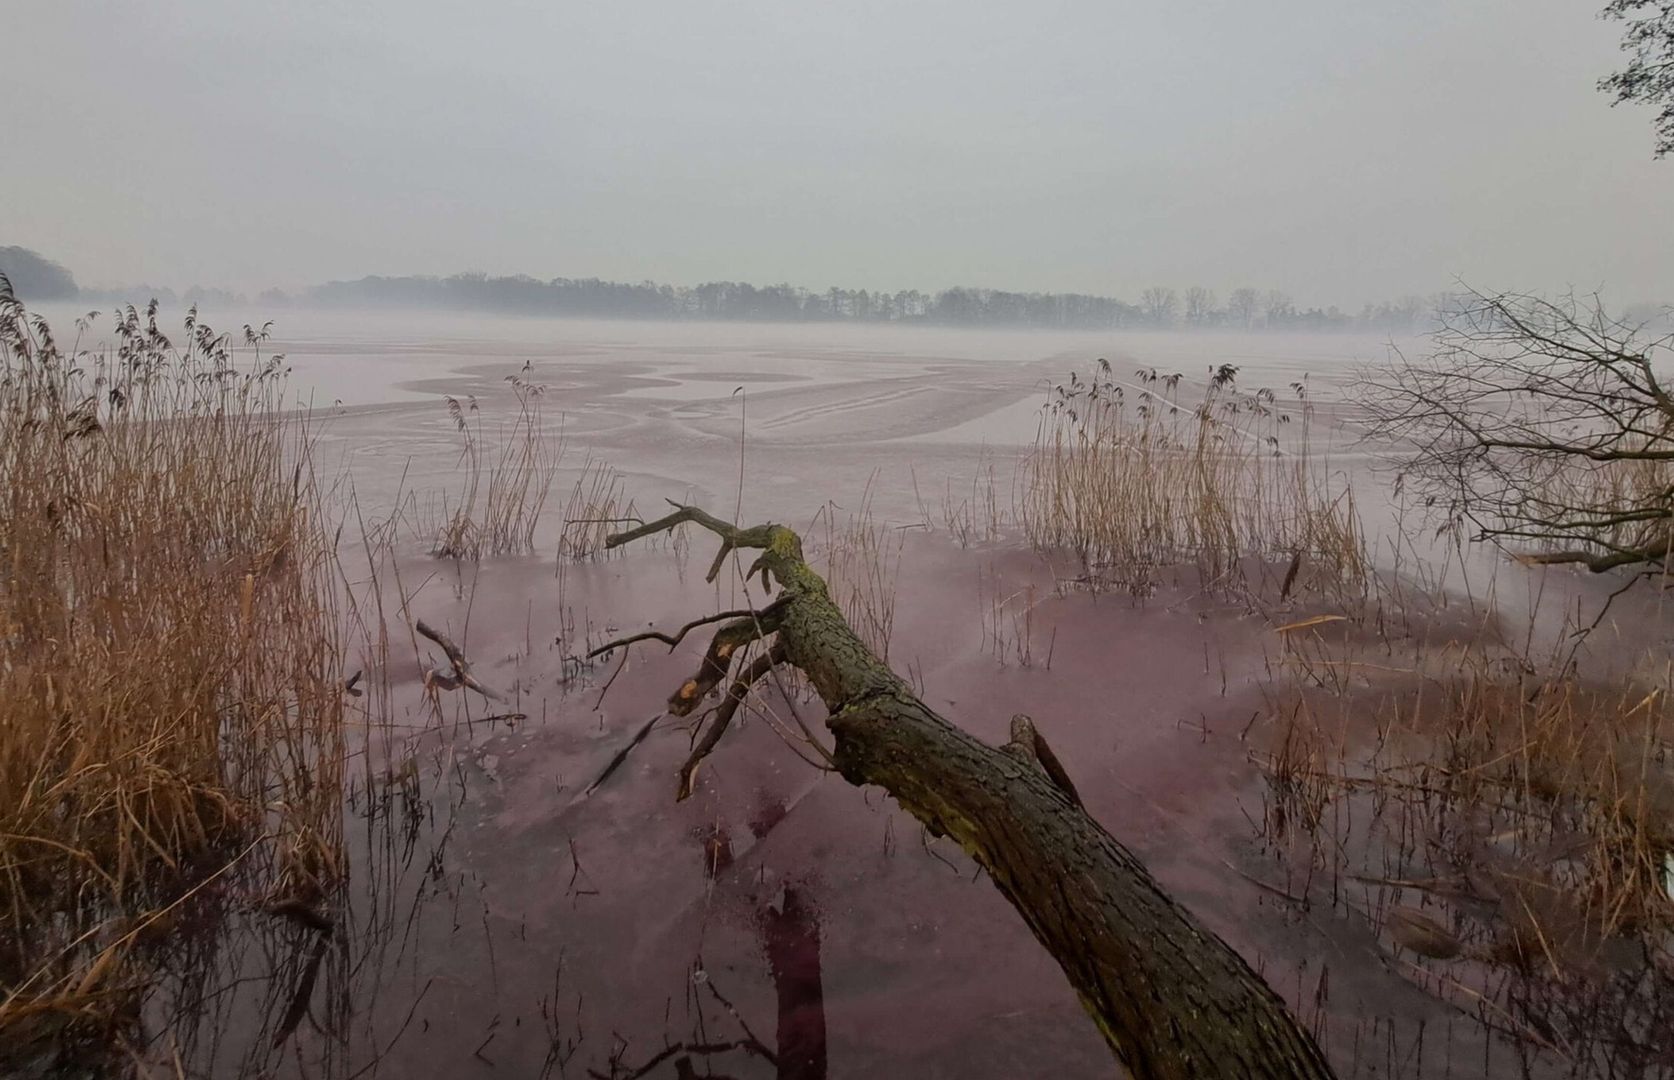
[1542, 424]
[679, 635]
[757, 670]
[461, 666]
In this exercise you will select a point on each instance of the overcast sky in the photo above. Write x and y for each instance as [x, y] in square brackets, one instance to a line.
[1340, 149]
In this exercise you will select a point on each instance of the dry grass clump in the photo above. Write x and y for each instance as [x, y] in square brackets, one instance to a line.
[862, 559]
[969, 518]
[170, 696]
[1008, 620]
[1510, 831]
[503, 519]
[1620, 510]
[1131, 480]
[597, 507]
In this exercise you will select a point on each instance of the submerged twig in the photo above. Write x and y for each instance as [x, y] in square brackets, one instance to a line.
[618, 758]
[461, 666]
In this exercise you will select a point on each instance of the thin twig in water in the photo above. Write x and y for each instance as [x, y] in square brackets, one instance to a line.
[618, 758]
[461, 666]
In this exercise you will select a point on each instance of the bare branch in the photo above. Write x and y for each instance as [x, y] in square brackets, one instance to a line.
[1541, 423]
[717, 659]
[758, 536]
[1028, 744]
[724, 712]
[680, 634]
[461, 666]
[1598, 563]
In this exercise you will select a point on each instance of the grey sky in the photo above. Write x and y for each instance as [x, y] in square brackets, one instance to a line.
[1341, 149]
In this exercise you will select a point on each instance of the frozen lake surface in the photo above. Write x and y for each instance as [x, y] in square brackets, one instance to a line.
[497, 916]
[824, 410]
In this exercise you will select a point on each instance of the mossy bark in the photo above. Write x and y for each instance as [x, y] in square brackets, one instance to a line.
[1171, 998]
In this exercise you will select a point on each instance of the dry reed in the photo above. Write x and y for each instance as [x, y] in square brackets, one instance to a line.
[862, 558]
[170, 694]
[520, 474]
[1131, 481]
[597, 507]
[1527, 811]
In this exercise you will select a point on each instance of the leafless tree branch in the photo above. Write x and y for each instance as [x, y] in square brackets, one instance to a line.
[1542, 425]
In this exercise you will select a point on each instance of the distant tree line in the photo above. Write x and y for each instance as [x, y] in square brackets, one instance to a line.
[1159, 308]
[196, 296]
[35, 277]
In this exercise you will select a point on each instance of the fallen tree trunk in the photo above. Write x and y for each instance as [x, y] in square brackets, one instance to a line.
[1171, 998]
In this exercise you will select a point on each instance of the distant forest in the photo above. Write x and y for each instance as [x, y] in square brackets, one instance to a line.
[35, 277]
[1157, 308]
[1160, 307]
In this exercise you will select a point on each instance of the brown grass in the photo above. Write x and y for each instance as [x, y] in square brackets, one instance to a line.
[597, 506]
[1629, 501]
[170, 696]
[1527, 810]
[1008, 619]
[520, 465]
[974, 517]
[862, 567]
[1131, 480]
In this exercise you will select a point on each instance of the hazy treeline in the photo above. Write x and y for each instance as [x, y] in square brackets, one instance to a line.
[35, 277]
[1160, 307]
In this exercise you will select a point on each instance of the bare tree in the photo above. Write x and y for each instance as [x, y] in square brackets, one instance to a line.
[1277, 306]
[1542, 425]
[1243, 305]
[1200, 305]
[1649, 75]
[1160, 305]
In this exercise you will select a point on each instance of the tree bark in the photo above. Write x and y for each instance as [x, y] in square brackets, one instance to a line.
[1171, 999]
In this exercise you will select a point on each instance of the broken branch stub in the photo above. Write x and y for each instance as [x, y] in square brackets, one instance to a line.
[1171, 999]
[461, 666]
